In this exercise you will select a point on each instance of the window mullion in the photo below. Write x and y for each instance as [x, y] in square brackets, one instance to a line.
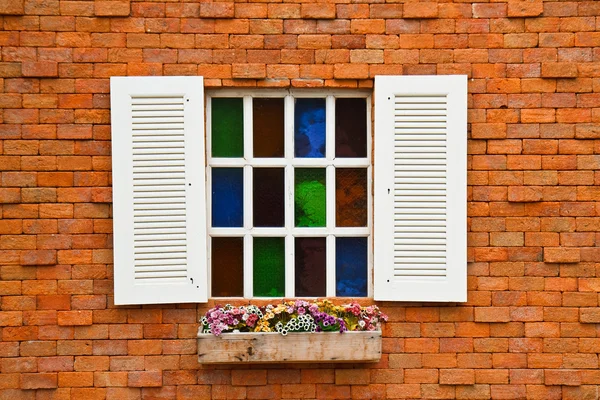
[248, 206]
[330, 194]
[289, 198]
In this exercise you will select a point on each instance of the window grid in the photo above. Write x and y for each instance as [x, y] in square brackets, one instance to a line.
[290, 163]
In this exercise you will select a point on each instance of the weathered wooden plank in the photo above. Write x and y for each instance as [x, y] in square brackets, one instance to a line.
[295, 347]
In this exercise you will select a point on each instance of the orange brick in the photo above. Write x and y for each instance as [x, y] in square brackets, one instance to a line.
[427, 9]
[525, 8]
[561, 255]
[12, 7]
[217, 10]
[112, 8]
[317, 11]
[248, 71]
[70, 318]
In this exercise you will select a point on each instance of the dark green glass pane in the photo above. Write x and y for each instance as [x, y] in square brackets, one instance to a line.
[310, 197]
[227, 121]
[310, 266]
[350, 127]
[227, 266]
[269, 267]
[268, 126]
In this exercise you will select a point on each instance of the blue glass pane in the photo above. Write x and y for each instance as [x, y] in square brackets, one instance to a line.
[227, 197]
[351, 266]
[309, 128]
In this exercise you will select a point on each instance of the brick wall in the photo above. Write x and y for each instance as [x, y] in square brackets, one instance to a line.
[530, 328]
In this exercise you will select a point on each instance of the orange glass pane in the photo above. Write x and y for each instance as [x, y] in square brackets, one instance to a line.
[351, 197]
[268, 126]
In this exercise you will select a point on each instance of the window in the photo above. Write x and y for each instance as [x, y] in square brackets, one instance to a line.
[273, 204]
[289, 199]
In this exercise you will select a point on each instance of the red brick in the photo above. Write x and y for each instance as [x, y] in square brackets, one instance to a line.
[144, 379]
[39, 381]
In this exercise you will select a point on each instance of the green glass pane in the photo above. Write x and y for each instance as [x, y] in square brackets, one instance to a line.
[269, 267]
[310, 197]
[227, 121]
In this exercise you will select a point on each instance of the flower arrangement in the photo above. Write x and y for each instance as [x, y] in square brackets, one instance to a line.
[292, 316]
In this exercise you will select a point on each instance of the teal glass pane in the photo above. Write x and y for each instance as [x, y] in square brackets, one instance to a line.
[227, 127]
[351, 266]
[309, 128]
[310, 197]
[227, 197]
[269, 267]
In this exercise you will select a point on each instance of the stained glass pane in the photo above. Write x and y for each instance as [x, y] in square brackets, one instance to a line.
[269, 267]
[268, 197]
[227, 266]
[351, 128]
[351, 197]
[268, 126]
[227, 121]
[310, 197]
[227, 197]
[311, 258]
[351, 266]
[309, 128]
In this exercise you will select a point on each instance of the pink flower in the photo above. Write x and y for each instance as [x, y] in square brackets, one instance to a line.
[251, 321]
[301, 311]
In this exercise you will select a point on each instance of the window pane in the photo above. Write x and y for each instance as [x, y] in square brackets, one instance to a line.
[227, 122]
[309, 128]
[351, 128]
[227, 269]
[269, 266]
[351, 266]
[351, 197]
[268, 126]
[268, 197]
[310, 197]
[311, 256]
[227, 197]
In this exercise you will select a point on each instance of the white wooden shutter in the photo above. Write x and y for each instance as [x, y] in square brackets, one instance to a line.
[420, 188]
[158, 190]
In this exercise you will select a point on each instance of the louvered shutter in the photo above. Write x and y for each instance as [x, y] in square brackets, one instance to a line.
[420, 188]
[158, 190]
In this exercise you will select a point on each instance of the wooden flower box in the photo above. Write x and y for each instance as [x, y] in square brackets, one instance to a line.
[251, 347]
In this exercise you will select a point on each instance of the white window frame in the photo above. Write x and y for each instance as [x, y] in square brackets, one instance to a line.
[330, 162]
